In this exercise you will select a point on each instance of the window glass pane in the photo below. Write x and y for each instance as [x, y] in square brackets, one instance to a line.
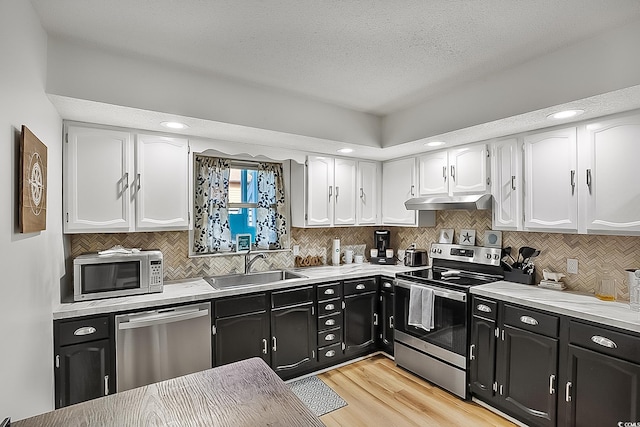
[243, 186]
[243, 221]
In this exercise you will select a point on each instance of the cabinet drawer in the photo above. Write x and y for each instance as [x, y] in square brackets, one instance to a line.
[240, 305]
[360, 285]
[616, 344]
[545, 324]
[485, 308]
[330, 336]
[329, 291]
[78, 331]
[330, 306]
[329, 353]
[330, 321]
[289, 297]
[386, 284]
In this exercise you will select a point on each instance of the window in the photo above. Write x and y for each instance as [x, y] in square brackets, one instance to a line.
[234, 197]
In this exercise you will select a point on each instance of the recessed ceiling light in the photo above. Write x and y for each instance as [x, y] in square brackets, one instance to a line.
[174, 125]
[435, 143]
[345, 150]
[564, 114]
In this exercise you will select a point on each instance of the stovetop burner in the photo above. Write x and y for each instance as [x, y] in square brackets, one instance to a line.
[454, 279]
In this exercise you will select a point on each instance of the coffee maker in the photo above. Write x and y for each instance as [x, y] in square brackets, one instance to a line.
[382, 241]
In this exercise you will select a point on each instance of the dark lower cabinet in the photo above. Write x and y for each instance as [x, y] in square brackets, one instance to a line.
[482, 355]
[360, 323]
[386, 326]
[241, 337]
[529, 369]
[293, 331]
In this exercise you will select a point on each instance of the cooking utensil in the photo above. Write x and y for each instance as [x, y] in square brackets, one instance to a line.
[507, 252]
[533, 255]
[525, 252]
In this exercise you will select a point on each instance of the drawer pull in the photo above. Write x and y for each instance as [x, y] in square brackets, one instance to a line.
[387, 285]
[605, 342]
[329, 337]
[329, 292]
[329, 307]
[85, 330]
[330, 353]
[485, 308]
[528, 320]
[360, 286]
[330, 322]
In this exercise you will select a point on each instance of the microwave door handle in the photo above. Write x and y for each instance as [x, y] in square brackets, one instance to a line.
[155, 318]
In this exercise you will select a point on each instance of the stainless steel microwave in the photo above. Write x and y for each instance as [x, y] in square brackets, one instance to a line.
[104, 276]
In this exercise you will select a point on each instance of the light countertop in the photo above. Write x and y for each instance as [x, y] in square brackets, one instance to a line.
[197, 289]
[575, 304]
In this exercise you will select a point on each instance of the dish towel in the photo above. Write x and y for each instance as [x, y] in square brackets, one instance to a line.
[421, 307]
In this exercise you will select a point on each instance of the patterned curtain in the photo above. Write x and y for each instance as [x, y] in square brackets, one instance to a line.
[271, 231]
[211, 231]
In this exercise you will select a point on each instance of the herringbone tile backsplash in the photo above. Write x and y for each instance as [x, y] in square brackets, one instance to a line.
[594, 253]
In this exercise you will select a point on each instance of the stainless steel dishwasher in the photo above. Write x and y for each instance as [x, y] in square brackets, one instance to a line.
[152, 346]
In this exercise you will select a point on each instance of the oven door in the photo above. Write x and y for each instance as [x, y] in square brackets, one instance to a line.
[450, 319]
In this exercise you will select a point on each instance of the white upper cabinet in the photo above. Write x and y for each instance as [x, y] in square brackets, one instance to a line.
[550, 197]
[610, 180]
[368, 205]
[161, 183]
[110, 187]
[345, 192]
[458, 171]
[506, 184]
[398, 185]
[319, 191]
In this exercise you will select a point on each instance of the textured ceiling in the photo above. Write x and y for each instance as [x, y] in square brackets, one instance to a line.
[372, 56]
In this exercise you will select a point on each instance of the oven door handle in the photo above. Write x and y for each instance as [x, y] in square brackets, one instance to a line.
[439, 292]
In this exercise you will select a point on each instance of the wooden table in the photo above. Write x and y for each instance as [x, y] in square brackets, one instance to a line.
[245, 393]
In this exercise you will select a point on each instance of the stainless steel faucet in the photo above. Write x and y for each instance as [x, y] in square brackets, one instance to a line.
[249, 262]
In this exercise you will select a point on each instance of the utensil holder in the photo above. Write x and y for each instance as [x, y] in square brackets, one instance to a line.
[520, 276]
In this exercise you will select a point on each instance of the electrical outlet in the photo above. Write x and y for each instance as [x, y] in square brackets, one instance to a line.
[296, 250]
[572, 266]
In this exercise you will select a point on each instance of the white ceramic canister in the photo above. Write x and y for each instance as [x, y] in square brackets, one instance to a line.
[335, 252]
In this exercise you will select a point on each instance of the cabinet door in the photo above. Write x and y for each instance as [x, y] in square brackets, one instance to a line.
[550, 198]
[482, 357]
[83, 372]
[612, 193]
[161, 184]
[386, 310]
[319, 190]
[293, 339]
[398, 185]
[468, 170]
[359, 323]
[433, 174]
[241, 337]
[506, 181]
[345, 192]
[528, 372]
[368, 193]
[602, 390]
[98, 181]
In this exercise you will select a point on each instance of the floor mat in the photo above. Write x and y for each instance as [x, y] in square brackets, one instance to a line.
[316, 395]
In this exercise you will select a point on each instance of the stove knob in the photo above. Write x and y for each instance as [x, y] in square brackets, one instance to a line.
[496, 256]
[439, 251]
[488, 256]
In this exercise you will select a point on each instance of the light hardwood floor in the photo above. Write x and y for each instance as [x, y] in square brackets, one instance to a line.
[379, 393]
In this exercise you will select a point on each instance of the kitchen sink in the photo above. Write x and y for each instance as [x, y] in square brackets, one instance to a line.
[261, 278]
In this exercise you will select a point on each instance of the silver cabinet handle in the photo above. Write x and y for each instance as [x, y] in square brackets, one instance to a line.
[126, 181]
[337, 191]
[106, 385]
[471, 355]
[483, 307]
[605, 342]
[573, 181]
[329, 307]
[329, 292]
[589, 179]
[330, 322]
[552, 380]
[361, 193]
[528, 320]
[330, 191]
[329, 337]
[85, 330]
[513, 182]
[343, 305]
[360, 286]
[264, 346]
[387, 285]
[412, 192]
[444, 172]
[375, 319]
[138, 180]
[453, 172]
[275, 343]
[391, 322]
[567, 392]
[501, 390]
[330, 353]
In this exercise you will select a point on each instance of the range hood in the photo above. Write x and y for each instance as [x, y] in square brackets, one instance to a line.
[441, 203]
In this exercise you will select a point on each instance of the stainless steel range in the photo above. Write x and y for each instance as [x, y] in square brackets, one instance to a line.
[440, 354]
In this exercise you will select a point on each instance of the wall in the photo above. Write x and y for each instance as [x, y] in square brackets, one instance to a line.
[32, 264]
[593, 252]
